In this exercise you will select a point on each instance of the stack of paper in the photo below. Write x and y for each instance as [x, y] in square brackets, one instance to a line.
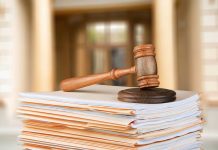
[93, 119]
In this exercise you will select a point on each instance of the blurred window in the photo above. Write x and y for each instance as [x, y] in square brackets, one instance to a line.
[96, 33]
[118, 33]
[119, 61]
[98, 60]
[98, 42]
[108, 43]
[139, 34]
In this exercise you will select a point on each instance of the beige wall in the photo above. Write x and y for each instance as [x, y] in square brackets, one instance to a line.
[14, 51]
[209, 59]
[197, 45]
[22, 44]
[189, 45]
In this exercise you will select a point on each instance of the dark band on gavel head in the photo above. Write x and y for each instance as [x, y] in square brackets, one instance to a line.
[146, 66]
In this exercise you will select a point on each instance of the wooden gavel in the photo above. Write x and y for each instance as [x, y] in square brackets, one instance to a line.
[145, 68]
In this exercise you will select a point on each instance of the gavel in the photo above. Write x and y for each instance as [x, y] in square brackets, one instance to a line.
[145, 68]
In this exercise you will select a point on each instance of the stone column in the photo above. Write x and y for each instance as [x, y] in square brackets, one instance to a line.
[43, 55]
[164, 39]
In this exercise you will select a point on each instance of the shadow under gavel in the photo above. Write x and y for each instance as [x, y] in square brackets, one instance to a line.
[145, 68]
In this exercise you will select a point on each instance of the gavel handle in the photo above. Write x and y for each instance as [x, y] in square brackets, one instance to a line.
[79, 82]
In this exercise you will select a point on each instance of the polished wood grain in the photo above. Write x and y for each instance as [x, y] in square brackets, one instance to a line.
[146, 66]
[149, 95]
[79, 82]
[146, 70]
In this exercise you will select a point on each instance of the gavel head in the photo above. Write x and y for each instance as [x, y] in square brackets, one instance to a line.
[146, 66]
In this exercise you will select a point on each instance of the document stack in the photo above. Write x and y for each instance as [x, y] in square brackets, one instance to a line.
[93, 119]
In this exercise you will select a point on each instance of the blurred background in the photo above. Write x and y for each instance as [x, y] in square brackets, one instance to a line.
[45, 41]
